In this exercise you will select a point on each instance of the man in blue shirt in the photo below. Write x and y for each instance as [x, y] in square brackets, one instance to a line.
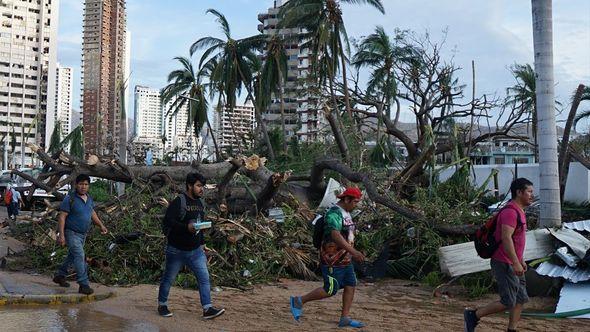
[16, 203]
[76, 213]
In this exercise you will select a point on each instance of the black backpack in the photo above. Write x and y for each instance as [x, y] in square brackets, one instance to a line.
[318, 230]
[485, 239]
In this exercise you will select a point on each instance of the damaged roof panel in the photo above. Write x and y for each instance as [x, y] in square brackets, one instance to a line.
[580, 226]
[566, 272]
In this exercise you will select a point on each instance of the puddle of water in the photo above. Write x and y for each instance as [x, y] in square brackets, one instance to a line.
[65, 318]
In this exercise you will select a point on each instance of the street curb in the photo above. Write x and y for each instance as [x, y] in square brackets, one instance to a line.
[18, 299]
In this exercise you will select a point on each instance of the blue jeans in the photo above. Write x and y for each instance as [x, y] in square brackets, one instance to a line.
[197, 262]
[75, 243]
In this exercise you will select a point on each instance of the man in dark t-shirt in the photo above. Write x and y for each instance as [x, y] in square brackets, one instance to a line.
[186, 246]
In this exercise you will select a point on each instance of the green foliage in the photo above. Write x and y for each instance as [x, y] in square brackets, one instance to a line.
[100, 191]
[433, 279]
[477, 284]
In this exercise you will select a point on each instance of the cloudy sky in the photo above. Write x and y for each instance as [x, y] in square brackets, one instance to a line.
[495, 34]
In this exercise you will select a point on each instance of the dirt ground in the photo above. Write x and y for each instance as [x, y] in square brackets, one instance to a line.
[392, 305]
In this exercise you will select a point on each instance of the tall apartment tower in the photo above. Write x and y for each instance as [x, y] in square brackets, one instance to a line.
[180, 136]
[148, 120]
[235, 128]
[63, 98]
[103, 75]
[301, 118]
[28, 57]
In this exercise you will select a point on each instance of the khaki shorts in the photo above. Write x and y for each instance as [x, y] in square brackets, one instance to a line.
[512, 288]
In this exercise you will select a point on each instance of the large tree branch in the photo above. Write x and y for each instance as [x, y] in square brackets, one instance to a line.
[357, 177]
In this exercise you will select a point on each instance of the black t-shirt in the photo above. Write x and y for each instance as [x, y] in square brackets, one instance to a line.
[180, 237]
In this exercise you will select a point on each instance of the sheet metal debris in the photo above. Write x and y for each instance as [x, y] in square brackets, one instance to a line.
[576, 241]
[566, 272]
[574, 297]
[580, 226]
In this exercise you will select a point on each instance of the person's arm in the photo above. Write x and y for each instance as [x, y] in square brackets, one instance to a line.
[97, 222]
[342, 243]
[61, 225]
[508, 246]
[172, 218]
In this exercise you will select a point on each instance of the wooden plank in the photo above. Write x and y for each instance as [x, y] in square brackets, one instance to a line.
[461, 259]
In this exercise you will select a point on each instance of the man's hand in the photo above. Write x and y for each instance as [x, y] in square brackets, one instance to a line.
[524, 266]
[61, 240]
[191, 228]
[103, 230]
[518, 269]
[358, 256]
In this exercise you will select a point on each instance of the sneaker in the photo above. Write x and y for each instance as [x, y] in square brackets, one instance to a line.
[212, 312]
[85, 289]
[61, 280]
[471, 320]
[163, 311]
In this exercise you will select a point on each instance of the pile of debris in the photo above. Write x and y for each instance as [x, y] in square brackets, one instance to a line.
[562, 253]
[242, 250]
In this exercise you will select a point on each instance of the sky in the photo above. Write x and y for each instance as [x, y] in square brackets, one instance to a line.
[494, 34]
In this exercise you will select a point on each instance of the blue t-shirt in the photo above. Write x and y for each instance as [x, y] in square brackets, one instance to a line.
[79, 213]
[15, 195]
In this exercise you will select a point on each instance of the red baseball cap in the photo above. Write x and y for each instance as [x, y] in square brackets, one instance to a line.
[351, 192]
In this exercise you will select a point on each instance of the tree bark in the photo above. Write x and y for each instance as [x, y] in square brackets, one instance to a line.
[550, 207]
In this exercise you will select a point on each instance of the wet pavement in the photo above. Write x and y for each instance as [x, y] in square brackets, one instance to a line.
[65, 318]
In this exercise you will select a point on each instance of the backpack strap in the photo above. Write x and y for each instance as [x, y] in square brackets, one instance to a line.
[182, 206]
[519, 223]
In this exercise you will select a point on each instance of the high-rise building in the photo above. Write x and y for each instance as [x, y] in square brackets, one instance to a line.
[28, 39]
[148, 121]
[301, 115]
[148, 112]
[180, 136]
[63, 98]
[76, 119]
[104, 54]
[235, 128]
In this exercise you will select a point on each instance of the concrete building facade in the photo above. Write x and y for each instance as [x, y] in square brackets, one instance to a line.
[104, 66]
[149, 119]
[64, 98]
[28, 58]
[235, 128]
[301, 113]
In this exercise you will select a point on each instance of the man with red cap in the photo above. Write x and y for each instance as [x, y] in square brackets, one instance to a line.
[336, 254]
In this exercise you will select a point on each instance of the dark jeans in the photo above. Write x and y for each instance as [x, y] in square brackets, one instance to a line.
[197, 262]
[13, 209]
[75, 243]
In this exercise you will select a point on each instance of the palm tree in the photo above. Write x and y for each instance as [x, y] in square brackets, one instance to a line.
[582, 93]
[187, 83]
[326, 33]
[550, 213]
[378, 52]
[522, 95]
[55, 142]
[231, 61]
[74, 141]
[274, 75]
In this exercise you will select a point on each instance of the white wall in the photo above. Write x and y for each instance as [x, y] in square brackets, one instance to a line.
[578, 181]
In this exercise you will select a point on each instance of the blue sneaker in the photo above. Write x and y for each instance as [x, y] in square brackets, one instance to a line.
[348, 322]
[470, 320]
[296, 312]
